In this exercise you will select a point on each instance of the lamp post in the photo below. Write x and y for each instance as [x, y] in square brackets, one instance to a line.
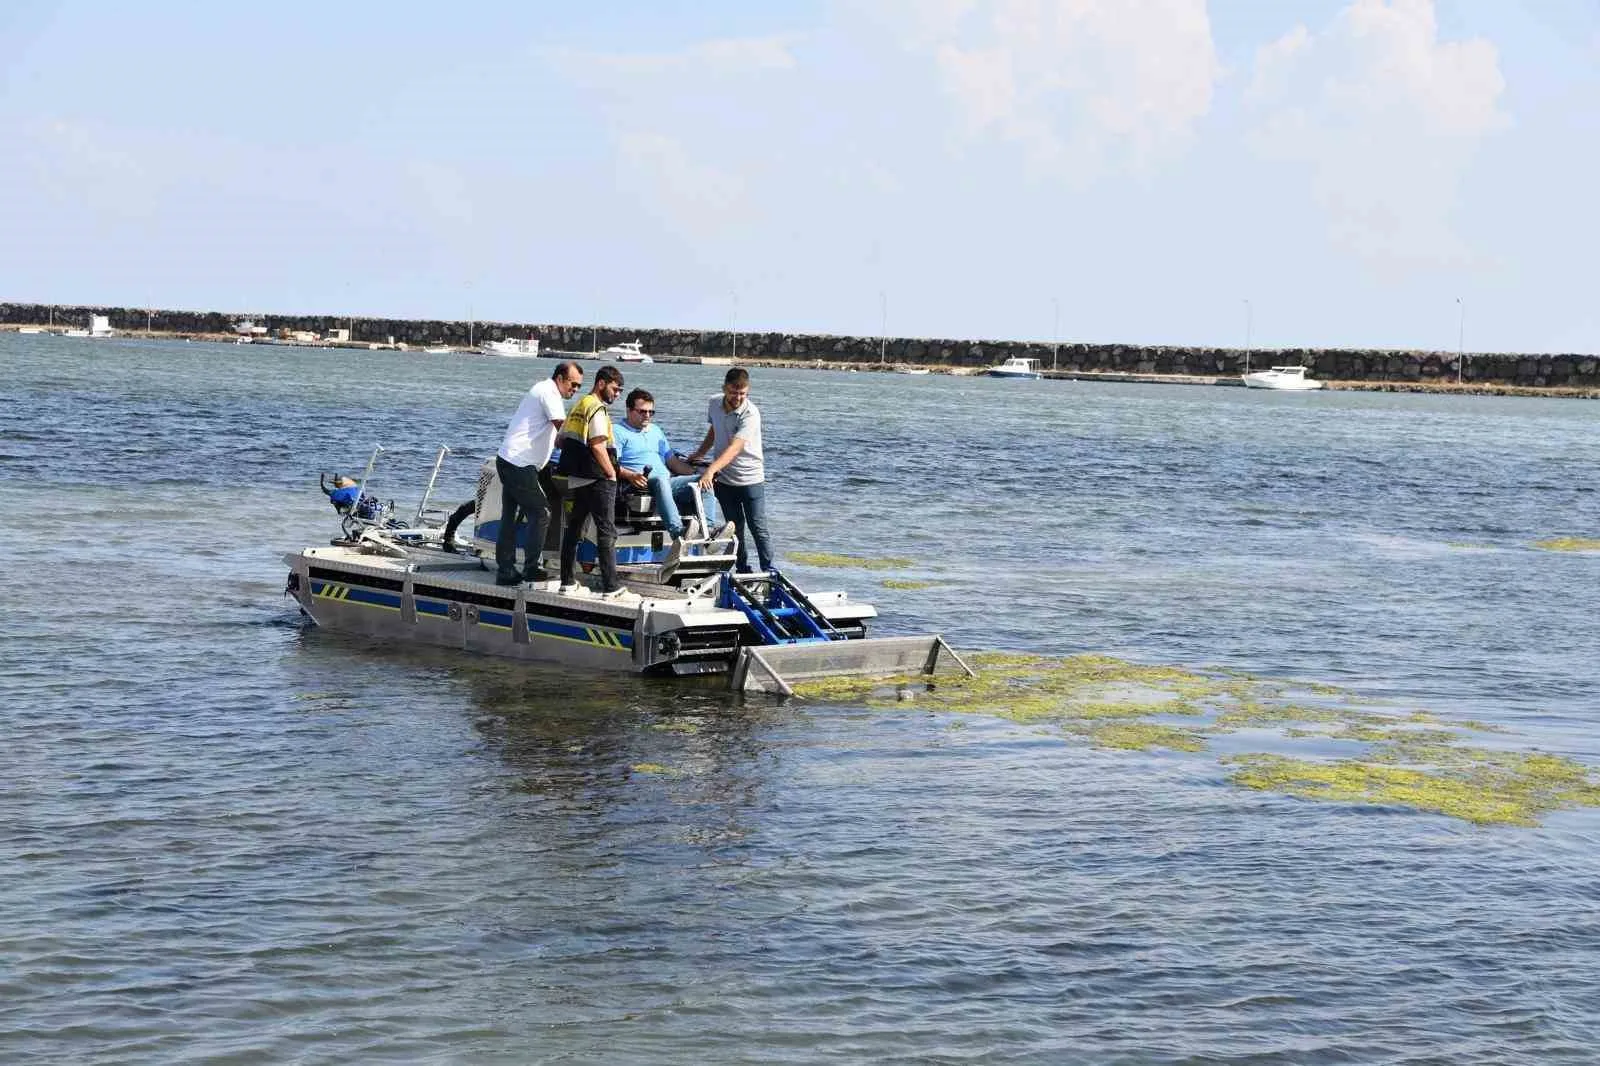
[883, 325]
[1249, 324]
[733, 323]
[1055, 333]
[1461, 338]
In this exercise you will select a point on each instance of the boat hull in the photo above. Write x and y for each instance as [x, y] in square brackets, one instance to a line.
[1020, 375]
[1281, 384]
[455, 604]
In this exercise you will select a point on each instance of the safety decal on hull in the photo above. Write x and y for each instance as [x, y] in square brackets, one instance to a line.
[333, 590]
[593, 635]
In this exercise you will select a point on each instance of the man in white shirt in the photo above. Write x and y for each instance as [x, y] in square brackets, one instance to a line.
[738, 471]
[529, 440]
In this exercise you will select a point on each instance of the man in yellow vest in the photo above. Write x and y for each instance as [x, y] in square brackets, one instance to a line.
[589, 461]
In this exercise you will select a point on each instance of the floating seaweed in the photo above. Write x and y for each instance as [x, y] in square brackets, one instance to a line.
[655, 768]
[908, 583]
[1416, 759]
[1475, 785]
[1569, 544]
[833, 560]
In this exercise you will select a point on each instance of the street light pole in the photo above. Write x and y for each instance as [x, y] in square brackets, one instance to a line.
[1249, 324]
[733, 323]
[1461, 339]
[1055, 333]
[883, 325]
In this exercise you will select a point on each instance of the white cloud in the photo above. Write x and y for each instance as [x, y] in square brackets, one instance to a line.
[1075, 84]
[1386, 118]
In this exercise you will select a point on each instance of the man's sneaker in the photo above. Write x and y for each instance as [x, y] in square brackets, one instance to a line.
[728, 529]
[620, 595]
[691, 528]
[450, 546]
[537, 577]
[674, 554]
[573, 590]
[501, 579]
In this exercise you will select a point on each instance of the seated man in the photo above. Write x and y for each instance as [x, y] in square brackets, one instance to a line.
[647, 460]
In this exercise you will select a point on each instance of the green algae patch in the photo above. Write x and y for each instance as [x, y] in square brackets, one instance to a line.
[1568, 544]
[1402, 757]
[1475, 785]
[831, 560]
[1144, 736]
[1025, 687]
[909, 583]
[842, 689]
[655, 768]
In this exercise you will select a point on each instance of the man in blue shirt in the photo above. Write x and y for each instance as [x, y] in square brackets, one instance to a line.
[641, 445]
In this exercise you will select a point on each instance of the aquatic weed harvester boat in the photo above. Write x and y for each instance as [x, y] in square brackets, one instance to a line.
[686, 612]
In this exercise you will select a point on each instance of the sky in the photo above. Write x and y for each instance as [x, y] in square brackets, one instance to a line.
[1287, 173]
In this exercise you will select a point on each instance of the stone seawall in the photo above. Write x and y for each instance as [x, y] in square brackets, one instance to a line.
[1336, 364]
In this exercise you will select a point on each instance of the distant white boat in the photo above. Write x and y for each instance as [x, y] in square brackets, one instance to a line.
[913, 370]
[516, 349]
[626, 352]
[1287, 378]
[441, 350]
[1017, 367]
[30, 329]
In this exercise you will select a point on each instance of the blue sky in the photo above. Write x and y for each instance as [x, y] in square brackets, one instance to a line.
[1350, 167]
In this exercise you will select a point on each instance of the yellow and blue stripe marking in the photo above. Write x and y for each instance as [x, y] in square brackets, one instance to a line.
[598, 636]
[334, 590]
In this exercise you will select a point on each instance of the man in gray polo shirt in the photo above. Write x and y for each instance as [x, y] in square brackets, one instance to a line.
[737, 473]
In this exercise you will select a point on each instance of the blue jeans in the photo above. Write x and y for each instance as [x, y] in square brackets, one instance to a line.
[746, 507]
[674, 495]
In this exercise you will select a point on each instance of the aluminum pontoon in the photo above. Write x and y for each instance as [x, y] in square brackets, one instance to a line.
[686, 612]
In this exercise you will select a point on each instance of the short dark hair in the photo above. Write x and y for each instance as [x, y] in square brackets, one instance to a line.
[736, 376]
[563, 369]
[608, 373]
[639, 394]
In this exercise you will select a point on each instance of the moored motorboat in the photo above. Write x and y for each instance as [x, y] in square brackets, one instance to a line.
[516, 349]
[1017, 367]
[1285, 378]
[626, 352]
[683, 610]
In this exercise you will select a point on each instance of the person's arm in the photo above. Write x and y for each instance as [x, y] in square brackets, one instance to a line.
[729, 454]
[597, 445]
[635, 478]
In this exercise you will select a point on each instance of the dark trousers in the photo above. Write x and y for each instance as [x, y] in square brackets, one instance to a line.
[746, 507]
[598, 498]
[521, 490]
[458, 516]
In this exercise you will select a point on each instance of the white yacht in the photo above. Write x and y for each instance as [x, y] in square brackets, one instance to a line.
[1017, 367]
[626, 352]
[1287, 378]
[516, 349]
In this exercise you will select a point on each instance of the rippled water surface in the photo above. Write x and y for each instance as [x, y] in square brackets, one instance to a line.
[227, 838]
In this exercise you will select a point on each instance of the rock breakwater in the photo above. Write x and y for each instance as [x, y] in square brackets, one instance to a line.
[1401, 368]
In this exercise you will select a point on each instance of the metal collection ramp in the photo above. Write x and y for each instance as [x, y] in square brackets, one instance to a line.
[775, 668]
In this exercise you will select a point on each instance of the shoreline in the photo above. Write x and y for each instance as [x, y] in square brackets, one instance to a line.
[1435, 384]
